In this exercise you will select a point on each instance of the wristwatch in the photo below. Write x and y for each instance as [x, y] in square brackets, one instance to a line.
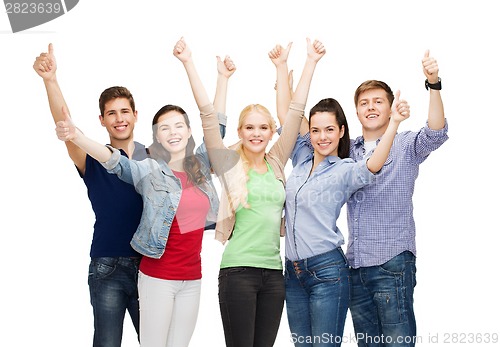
[435, 86]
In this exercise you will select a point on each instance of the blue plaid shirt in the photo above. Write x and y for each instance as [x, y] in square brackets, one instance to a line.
[380, 215]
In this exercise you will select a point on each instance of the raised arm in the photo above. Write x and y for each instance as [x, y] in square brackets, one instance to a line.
[399, 112]
[286, 141]
[284, 92]
[436, 118]
[212, 136]
[45, 66]
[67, 131]
[315, 51]
[225, 69]
[183, 53]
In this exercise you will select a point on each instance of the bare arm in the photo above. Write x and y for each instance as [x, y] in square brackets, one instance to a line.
[400, 112]
[284, 85]
[183, 53]
[315, 51]
[284, 146]
[279, 57]
[436, 118]
[225, 69]
[45, 66]
[67, 131]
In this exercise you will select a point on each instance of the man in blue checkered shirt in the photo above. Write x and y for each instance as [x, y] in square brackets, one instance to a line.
[381, 249]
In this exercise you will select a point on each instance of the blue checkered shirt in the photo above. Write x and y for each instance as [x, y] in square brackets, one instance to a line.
[380, 215]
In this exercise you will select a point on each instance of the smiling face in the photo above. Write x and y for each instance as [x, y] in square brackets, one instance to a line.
[325, 134]
[255, 131]
[118, 119]
[173, 133]
[374, 111]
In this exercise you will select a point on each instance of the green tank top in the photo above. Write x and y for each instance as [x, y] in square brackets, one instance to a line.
[255, 241]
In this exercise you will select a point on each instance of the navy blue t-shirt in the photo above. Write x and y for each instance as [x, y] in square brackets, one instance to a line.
[117, 207]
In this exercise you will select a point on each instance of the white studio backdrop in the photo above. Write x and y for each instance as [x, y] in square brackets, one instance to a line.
[47, 218]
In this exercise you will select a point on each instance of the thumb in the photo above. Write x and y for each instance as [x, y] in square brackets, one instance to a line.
[396, 97]
[51, 48]
[67, 117]
[426, 54]
[289, 45]
[308, 40]
[218, 58]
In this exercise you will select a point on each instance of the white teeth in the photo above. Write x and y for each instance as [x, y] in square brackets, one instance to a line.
[371, 116]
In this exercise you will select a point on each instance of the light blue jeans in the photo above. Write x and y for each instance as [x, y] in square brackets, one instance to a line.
[382, 303]
[317, 296]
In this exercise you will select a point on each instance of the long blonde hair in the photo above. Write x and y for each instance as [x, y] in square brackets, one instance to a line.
[241, 121]
[242, 193]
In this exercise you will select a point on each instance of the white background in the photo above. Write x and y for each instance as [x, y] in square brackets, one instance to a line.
[46, 216]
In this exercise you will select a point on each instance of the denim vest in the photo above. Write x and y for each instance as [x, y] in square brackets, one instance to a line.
[161, 192]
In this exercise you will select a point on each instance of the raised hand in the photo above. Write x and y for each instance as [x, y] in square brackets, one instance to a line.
[45, 64]
[400, 109]
[182, 51]
[279, 54]
[430, 67]
[225, 67]
[65, 129]
[315, 50]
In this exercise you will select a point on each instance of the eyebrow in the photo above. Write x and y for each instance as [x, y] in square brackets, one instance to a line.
[121, 109]
[325, 127]
[166, 125]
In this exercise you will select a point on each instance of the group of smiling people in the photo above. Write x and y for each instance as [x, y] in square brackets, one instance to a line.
[373, 173]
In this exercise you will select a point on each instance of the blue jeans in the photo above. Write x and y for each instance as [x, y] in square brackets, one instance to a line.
[113, 290]
[382, 303]
[251, 303]
[317, 297]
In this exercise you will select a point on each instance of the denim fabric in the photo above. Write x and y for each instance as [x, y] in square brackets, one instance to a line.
[161, 193]
[251, 303]
[317, 297]
[382, 303]
[113, 291]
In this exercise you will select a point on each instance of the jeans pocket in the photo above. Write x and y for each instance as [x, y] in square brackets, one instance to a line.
[102, 267]
[327, 273]
[398, 264]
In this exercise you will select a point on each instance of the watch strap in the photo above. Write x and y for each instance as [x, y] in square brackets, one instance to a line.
[435, 86]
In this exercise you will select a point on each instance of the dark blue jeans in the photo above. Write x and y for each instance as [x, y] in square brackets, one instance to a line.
[317, 296]
[251, 303]
[113, 291]
[382, 303]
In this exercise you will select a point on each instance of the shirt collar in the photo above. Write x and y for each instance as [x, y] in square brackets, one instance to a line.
[360, 141]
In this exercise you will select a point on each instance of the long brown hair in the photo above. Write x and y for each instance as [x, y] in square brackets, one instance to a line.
[332, 106]
[191, 164]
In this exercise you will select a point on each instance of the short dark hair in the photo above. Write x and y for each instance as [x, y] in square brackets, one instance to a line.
[113, 93]
[373, 84]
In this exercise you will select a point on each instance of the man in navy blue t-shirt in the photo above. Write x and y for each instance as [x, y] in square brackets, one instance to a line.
[114, 264]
